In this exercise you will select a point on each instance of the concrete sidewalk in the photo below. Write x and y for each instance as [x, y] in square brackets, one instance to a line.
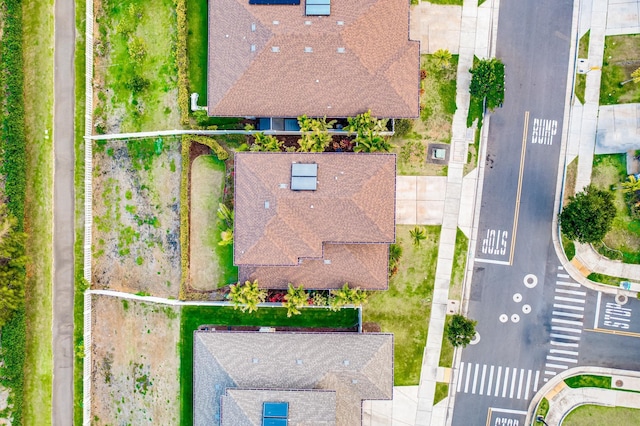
[563, 399]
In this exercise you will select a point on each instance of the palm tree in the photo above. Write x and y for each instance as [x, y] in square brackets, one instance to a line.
[632, 185]
[226, 237]
[247, 297]
[417, 235]
[635, 77]
[225, 214]
[395, 253]
[295, 299]
[442, 59]
[347, 296]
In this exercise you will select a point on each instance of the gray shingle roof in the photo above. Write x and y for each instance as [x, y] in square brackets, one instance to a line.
[355, 366]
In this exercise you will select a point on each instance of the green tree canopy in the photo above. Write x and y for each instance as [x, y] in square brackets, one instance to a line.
[295, 299]
[247, 297]
[12, 266]
[588, 216]
[460, 330]
[487, 82]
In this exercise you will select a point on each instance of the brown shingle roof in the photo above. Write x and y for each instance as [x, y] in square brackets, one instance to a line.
[356, 366]
[354, 203]
[378, 69]
[360, 265]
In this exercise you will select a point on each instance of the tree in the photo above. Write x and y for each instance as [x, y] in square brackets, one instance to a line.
[347, 296]
[295, 299]
[417, 235]
[635, 77]
[395, 253]
[442, 59]
[487, 82]
[588, 216]
[247, 297]
[12, 266]
[632, 185]
[460, 330]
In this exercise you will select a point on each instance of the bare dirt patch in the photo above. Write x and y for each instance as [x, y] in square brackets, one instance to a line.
[136, 227]
[135, 363]
[206, 194]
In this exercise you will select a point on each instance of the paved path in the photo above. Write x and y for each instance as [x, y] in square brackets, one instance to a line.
[63, 214]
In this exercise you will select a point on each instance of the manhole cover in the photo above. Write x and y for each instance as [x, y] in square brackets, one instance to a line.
[619, 383]
[621, 299]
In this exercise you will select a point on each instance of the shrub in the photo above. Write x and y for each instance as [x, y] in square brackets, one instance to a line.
[183, 62]
[403, 126]
[184, 217]
[220, 152]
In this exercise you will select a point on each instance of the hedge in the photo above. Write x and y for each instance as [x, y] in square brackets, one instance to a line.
[220, 152]
[183, 62]
[184, 216]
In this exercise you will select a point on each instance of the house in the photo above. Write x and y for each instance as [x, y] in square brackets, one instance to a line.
[316, 219]
[310, 379]
[336, 58]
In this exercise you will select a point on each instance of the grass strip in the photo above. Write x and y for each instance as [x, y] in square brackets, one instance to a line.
[606, 279]
[194, 316]
[543, 409]
[442, 391]
[588, 381]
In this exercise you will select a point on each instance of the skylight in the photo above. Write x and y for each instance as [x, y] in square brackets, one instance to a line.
[318, 7]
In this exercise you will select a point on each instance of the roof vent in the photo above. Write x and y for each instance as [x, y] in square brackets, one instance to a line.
[266, 204]
[304, 177]
[253, 26]
[354, 381]
[255, 360]
[276, 22]
[307, 22]
[308, 49]
[298, 361]
[345, 362]
[340, 49]
[283, 186]
[327, 261]
[275, 49]
[253, 47]
[341, 23]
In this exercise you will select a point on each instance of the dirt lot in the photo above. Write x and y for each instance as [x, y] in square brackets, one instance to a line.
[135, 363]
[136, 198]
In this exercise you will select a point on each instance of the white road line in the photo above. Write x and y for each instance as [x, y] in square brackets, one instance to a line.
[564, 321]
[561, 268]
[550, 373]
[466, 383]
[546, 380]
[566, 284]
[490, 381]
[563, 275]
[498, 381]
[562, 359]
[560, 351]
[569, 299]
[514, 376]
[559, 367]
[572, 292]
[568, 330]
[526, 389]
[520, 380]
[567, 314]
[506, 382]
[475, 379]
[564, 336]
[535, 382]
[495, 262]
[570, 345]
[595, 321]
[460, 376]
[484, 371]
[572, 308]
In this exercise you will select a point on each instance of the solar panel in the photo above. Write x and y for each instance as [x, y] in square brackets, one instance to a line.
[274, 1]
[318, 7]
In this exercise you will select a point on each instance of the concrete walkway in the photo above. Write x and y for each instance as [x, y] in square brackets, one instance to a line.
[563, 399]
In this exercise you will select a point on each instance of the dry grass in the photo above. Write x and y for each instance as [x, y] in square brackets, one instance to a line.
[38, 99]
[207, 178]
[570, 181]
[621, 58]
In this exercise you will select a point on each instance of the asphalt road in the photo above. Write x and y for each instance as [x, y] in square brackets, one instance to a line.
[63, 213]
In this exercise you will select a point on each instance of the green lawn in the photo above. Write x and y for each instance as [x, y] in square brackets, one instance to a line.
[589, 381]
[459, 264]
[136, 66]
[621, 58]
[38, 99]
[194, 316]
[405, 307]
[598, 415]
[606, 279]
[624, 236]
[543, 409]
[442, 391]
[446, 2]
[197, 47]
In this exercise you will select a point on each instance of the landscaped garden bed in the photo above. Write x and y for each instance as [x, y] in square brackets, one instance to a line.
[136, 223]
[404, 309]
[135, 77]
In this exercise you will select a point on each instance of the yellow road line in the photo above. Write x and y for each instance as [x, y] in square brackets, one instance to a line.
[517, 208]
[621, 333]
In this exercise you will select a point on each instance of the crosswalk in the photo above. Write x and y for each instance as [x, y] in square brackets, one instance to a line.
[566, 325]
[497, 381]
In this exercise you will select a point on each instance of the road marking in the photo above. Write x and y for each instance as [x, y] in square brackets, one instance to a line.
[569, 299]
[498, 381]
[506, 382]
[576, 285]
[564, 321]
[484, 371]
[569, 345]
[573, 308]
[495, 262]
[519, 193]
[595, 321]
[514, 376]
[559, 367]
[460, 376]
[520, 380]
[561, 268]
[543, 131]
[573, 292]
[490, 381]
[495, 242]
[526, 388]
[535, 382]
[564, 336]
[563, 275]
[466, 384]
[567, 314]
[561, 359]
[561, 351]
[475, 379]
[621, 333]
[569, 330]
[550, 373]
